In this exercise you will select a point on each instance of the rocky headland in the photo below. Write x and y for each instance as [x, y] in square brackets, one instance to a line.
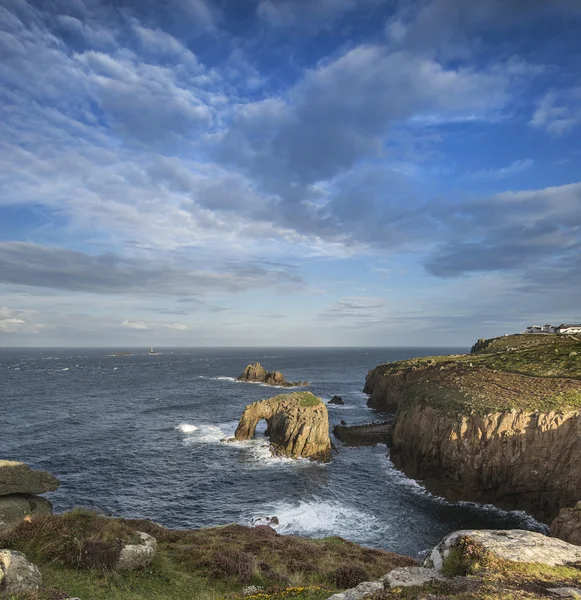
[256, 373]
[297, 425]
[501, 425]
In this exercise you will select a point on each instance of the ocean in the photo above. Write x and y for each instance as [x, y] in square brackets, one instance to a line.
[143, 436]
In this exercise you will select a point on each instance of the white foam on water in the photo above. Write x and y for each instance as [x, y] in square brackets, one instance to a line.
[400, 479]
[187, 428]
[316, 518]
[203, 433]
[65, 369]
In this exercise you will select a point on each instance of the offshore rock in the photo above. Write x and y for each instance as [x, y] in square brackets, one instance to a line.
[17, 574]
[336, 400]
[19, 478]
[514, 545]
[16, 508]
[567, 526]
[368, 434]
[297, 425]
[256, 373]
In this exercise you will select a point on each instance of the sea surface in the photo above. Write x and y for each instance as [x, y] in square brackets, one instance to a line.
[143, 436]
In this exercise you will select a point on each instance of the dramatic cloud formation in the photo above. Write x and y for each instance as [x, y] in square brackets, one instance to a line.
[353, 171]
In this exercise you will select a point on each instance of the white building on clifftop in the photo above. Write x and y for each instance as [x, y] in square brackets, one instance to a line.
[568, 329]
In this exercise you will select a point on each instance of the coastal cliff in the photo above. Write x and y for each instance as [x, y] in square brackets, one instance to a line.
[297, 425]
[501, 425]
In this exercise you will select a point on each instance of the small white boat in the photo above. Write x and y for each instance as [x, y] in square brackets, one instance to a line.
[151, 352]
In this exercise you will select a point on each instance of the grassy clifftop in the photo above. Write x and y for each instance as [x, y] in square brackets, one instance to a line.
[206, 564]
[522, 372]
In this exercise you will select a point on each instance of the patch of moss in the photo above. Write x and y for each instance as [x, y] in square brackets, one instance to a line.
[304, 399]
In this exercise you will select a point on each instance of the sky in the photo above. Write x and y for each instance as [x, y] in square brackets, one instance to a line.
[288, 172]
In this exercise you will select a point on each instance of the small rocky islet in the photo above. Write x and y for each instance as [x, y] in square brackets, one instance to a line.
[489, 426]
[256, 373]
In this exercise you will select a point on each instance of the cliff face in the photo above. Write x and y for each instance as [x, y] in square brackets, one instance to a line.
[489, 427]
[297, 425]
[387, 389]
[515, 460]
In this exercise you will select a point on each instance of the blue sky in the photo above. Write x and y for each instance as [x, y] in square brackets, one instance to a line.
[288, 172]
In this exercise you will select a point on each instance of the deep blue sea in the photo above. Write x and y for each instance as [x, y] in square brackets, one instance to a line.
[141, 436]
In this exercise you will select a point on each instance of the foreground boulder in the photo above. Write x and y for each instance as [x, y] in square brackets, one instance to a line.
[137, 556]
[17, 574]
[297, 425]
[19, 485]
[256, 373]
[567, 526]
[514, 545]
[15, 508]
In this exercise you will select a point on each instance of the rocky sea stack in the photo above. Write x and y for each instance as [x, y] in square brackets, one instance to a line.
[501, 425]
[19, 489]
[256, 373]
[297, 425]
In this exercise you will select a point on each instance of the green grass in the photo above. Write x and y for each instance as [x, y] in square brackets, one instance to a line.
[522, 372]
[207, 564]
[305, 399]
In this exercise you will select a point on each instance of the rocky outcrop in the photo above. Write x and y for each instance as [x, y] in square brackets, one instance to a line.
[336, 400]
[368, 434]
[297, 425]
[19, 485]
[567, 526]
[514, 545]
[256, 373]
[137, 556]
[387, 387]
[17, 575]
[19, 478]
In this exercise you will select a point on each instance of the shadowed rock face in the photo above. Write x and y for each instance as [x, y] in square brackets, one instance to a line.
[567, 526]
[256, 373]
[297, 425]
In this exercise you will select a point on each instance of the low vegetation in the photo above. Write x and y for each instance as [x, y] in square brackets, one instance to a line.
[521, 372]
[205, 564]
[305, 399]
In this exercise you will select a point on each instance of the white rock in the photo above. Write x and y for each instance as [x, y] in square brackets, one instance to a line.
[408, 576]
[363, 589]
[137, 556]
[514, 545]
[18, 575]
[565, 592]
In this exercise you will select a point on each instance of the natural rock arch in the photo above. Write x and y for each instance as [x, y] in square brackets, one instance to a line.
[297, 425]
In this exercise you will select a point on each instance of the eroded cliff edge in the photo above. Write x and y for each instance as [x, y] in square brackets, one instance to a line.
[501, 425]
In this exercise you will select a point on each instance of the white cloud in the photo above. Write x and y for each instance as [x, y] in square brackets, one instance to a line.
[134, 324]
[558, 113]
